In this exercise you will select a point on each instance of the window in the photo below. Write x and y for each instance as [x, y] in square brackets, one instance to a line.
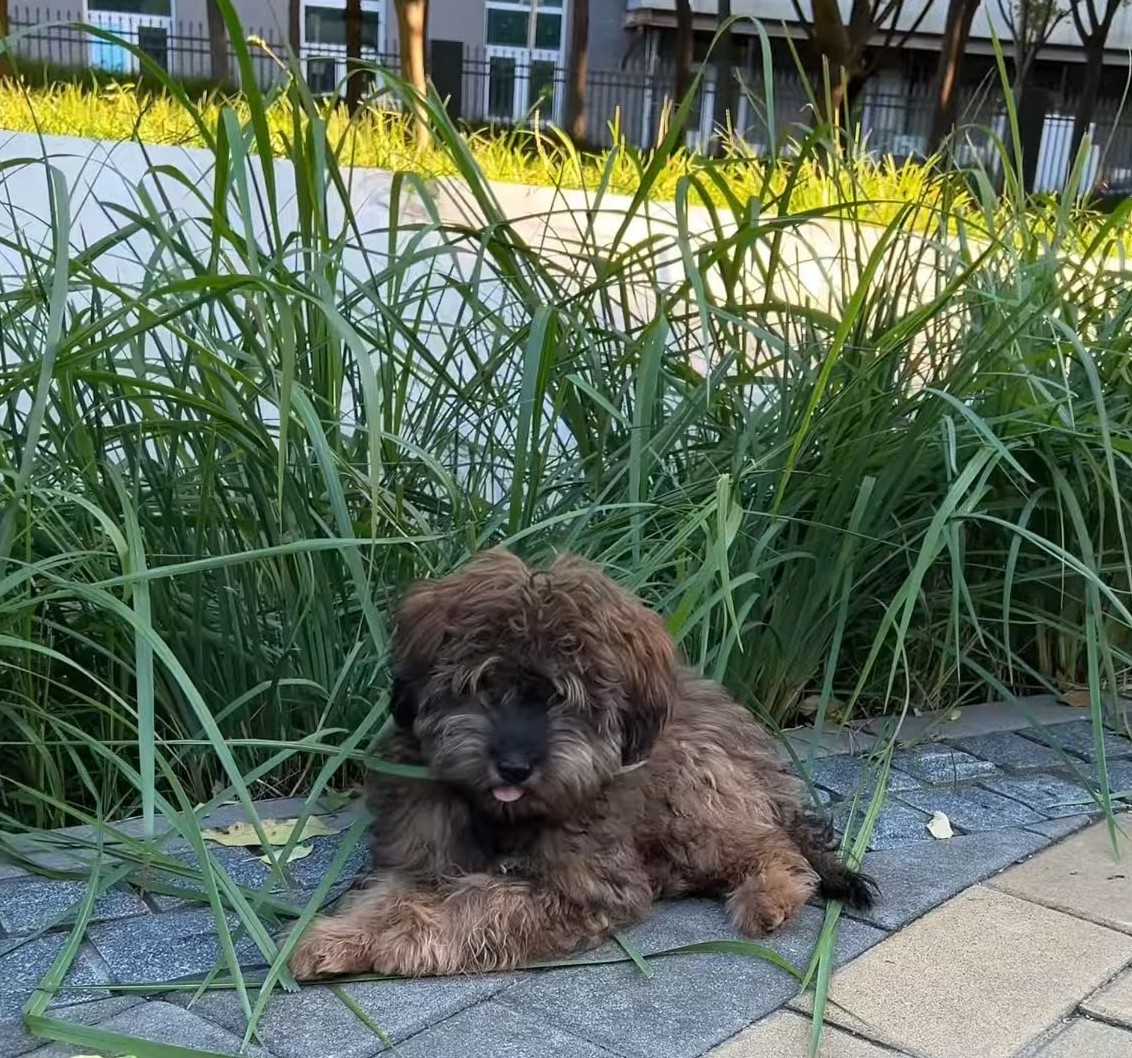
[146, 24]
[154, 42]
[327, 25]
[163, 8]
[323, 47]
[525, 24]
[321, 74]
[524, 49]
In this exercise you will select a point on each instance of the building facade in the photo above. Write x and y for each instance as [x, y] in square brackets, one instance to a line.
[505, 61]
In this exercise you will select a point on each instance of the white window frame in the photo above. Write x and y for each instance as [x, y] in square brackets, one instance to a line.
[524, 58]
[320, 51]
[126, 25]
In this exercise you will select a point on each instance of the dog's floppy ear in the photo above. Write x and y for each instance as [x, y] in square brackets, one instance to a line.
[630, 645]
[436, 613]
[403, 701]
[650, 668]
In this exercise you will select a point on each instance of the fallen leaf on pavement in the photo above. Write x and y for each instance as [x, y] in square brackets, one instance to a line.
[299, 852]
[277, 832]
[939, 826]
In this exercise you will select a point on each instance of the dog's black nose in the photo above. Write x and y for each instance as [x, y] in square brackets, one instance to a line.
[513, 769]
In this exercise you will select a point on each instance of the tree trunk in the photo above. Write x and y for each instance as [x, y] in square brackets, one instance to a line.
[354, 81]
[221, 70]
[960, 15]
[5, 59]
[412, 31]
[685, 49]
[724, 78]
[1087, 100]
[295, 26]
[831, 41]
[579, 71]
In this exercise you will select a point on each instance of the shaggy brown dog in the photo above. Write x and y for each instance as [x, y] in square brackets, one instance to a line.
[580, 773]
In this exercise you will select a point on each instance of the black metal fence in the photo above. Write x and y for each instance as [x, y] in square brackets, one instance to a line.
[483, 86]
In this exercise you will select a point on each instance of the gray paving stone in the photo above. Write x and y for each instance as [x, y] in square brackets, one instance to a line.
[1049, 794]
[848, 776]
[916, 878]
[979, 719]
[1119, 775]
[492, 1030]
[896, 824]
[162, 1023]
[165, 947]
[1077, 739]
[246, 870]
[797, 940]
[315, 1022]
[1062, 827]
[693, 1002]
[833, 741]
[1009, 749]
[23, 964]
[971, 809]
[10, 870]
[15, 1040]
[239, 864]
[937, 763]
[690, 1004]
[30, 904]
[309, 872]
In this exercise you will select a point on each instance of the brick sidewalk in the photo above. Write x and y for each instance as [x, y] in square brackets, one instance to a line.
[1035, 962]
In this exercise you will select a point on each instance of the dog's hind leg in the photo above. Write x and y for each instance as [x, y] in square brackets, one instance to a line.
[815, 838]
[774, 881]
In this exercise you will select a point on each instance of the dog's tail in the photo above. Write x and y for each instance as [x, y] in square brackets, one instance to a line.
[817, 842]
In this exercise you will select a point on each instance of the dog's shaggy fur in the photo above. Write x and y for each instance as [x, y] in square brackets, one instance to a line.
[580, 773]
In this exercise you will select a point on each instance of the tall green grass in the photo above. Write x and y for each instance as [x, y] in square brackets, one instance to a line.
[898, 486]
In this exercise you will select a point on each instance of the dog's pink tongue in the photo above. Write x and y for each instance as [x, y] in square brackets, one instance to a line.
[507, 793]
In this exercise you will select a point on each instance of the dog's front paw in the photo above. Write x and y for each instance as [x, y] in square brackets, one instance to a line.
[325, 950]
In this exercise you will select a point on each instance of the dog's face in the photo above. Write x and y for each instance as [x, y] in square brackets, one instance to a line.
[529, 691]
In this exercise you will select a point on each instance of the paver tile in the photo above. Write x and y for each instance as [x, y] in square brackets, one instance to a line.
[23, 964]
[494, 1030]
[848, 776]
[1008, 749]
[980, 719]
[165, 947]
[972, 809]
[917, 877]
[316, 1023]
[1062, 827]
[937, 763]
[981, 975]
[833, 741]
[248, 871]
[1088, 1039]
[1080, 876]
[693, 1001]
[30, 904]
[896, 824]
[162, 1023]
[1048, 794]
[1113, 1002]
[787, 1035]
[1078, 739]
[15, 1039]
